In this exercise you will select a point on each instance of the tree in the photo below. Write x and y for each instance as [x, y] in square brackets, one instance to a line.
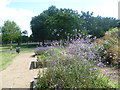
[38, 27]
[10, 31]
[25, 35]
[118, 24]
[0, 36]
[97, 26]
[56, 24]
[31, 38]
[64, 23]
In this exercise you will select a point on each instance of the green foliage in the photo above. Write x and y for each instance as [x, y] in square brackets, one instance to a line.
[24, 38]
[10, 31]
[111, 42]
[72, 74]
[72, 68]
[41, 52]
[97, 26]
[0, 38]
[55, 24]
[113, 37]
[118, 24]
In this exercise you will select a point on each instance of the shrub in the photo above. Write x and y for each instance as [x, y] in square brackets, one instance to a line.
[74, 67]
[111, 42]
[42, 50]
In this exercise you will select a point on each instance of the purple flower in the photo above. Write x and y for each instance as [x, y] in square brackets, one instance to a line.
[95, 68]
[42, 48]
[85, 60]
[110, 56]
[90, 69]
[100, 64]
[105, 52]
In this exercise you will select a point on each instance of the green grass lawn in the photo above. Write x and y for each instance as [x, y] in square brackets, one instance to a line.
[26, 50]
[4, 48]
[6, 58]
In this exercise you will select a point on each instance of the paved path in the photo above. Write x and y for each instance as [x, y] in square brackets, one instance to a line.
[8, 51]
[18, 74]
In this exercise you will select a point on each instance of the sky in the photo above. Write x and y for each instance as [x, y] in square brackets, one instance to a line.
[22, 11]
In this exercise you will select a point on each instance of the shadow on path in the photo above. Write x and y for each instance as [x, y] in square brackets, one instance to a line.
[32, 55]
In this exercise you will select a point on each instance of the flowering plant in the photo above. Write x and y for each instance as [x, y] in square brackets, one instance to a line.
[41, 50]
[74, 67]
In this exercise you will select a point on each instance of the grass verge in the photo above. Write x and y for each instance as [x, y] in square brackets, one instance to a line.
[6, 59]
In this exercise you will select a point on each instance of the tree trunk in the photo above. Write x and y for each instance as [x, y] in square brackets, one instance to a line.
[19, 43]
[39, 43]
[27, 43]
[11, 45]
[43, 43]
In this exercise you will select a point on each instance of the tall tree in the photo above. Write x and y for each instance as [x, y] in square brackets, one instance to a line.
[38, 27]
[25, 35]
[66, 23]
[97, 26]
[0, 36]
[10, 31]
[55, 24]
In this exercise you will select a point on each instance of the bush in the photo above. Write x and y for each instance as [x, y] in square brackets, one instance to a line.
[42, 50]
[78, 75]
[111, 42]
[74, 67]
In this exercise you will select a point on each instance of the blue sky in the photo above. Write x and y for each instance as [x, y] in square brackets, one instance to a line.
[38, 6]
[21, 11]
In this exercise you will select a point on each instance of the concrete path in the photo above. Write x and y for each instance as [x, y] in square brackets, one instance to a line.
[8, 51]
[18, 74]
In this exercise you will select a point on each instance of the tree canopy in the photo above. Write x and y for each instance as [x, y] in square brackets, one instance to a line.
[97, 26]
[56, 24]
[10, 31]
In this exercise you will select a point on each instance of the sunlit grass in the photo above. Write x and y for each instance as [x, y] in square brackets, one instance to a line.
[6, 59]
[24, 50]
[4, 48]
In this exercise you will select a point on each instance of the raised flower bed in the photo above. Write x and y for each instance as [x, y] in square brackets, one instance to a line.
[41, 50]
[42, 53]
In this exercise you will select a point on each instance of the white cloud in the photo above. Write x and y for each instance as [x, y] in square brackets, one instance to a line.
[21, 16]
[105, 8]
[108, 9]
